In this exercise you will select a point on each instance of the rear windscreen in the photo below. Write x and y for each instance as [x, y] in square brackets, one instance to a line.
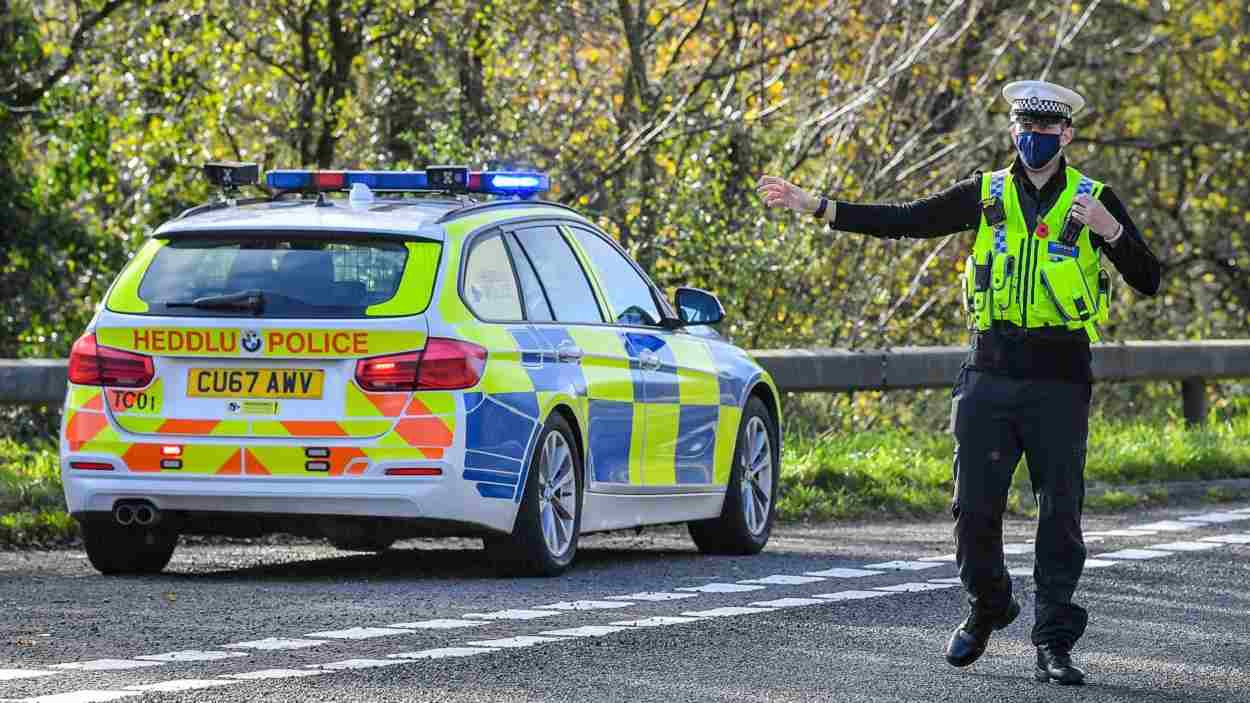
[289, 277]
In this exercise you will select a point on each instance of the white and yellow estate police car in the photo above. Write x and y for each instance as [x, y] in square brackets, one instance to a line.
[374, 368]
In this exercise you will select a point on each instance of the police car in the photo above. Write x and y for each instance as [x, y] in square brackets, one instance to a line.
[410, 359]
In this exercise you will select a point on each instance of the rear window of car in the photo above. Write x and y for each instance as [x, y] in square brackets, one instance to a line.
[284, 277]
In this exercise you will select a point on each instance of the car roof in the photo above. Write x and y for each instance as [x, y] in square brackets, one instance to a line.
[401, 217]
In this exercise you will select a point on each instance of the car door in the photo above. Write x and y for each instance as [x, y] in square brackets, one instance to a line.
[681, 392]
[586, 348]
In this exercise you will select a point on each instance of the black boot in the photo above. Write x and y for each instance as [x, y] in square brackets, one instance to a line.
[1054, 663]
[967, 642]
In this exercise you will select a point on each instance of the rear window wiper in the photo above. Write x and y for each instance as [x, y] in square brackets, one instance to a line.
[251, 300]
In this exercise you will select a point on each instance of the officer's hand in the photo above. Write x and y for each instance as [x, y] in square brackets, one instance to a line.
[778, 192]
[1088, 210]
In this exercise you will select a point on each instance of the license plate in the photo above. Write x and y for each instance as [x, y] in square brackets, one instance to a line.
[255, 383]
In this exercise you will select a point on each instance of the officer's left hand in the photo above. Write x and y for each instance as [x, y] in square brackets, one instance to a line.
[1088, 210]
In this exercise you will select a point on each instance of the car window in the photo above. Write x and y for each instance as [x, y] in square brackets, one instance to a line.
[629, 295]
[532, 294]
[561, 274]
[490, 287]
[295, 276]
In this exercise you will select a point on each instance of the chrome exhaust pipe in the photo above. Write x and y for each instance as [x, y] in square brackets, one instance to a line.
[145, 514]
[123, 514]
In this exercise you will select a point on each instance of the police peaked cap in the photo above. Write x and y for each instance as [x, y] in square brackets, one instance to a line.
[1042, 99]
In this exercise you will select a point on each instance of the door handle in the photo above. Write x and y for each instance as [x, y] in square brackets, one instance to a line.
[649, 359]
[568, 352]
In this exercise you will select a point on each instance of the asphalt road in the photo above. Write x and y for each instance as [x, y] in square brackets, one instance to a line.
[1174, 627]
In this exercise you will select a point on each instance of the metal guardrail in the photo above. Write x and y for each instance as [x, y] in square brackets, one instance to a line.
[840, 370]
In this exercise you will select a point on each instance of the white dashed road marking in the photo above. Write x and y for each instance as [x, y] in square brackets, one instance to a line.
[844, 573]
[356, 664]
[1229, 539]
[83, 697]
[1122, 533]
[1216, 518]
[954, 580]
[657, 621]
[444, 653]
[1017, 549]
[105, 665]
[851, 595]
[438, 624]
[1135, 554]
[789, 602]
[192, 655]
[586, 605]
[944, 557]
[182, 685]
[514, 642]
[915, 587]
[516, 614]
[722, 588]
[274, 674]
[14, 674]
[586, 631]
[785, 580]
[654, 596]
[1167, 526]
[904, 565]
[1099, 563]
[359, 633]
[1184, 546]
[726, 611]
[276, 643]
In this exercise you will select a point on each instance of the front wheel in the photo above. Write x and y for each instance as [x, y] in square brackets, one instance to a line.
[544, 539]
[127, 549]
[746, 519]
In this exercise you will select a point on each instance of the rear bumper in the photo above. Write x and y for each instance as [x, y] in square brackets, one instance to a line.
[446, 498]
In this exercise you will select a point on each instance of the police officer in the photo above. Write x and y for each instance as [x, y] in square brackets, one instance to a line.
[1035, 291]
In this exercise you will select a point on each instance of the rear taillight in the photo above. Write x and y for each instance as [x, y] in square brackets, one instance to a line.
[444, 364]
[448, 364]
[93, 365]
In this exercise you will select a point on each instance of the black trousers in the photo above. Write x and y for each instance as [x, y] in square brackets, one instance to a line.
[995, 419]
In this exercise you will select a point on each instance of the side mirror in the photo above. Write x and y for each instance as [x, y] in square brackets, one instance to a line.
[698, 307]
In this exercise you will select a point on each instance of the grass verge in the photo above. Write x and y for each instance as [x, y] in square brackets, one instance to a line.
[898, 472]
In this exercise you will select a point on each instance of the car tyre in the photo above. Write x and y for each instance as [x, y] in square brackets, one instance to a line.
[127, 549]
[544, 538]
[746, 519]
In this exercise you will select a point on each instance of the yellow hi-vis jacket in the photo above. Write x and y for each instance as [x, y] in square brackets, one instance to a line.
[1032, 279]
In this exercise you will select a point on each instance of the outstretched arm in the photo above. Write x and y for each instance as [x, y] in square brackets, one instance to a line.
[956, 209]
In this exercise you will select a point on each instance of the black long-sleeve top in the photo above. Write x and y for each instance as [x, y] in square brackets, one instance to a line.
[958, 209]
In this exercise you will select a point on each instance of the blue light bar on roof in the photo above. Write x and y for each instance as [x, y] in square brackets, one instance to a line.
[520, 184]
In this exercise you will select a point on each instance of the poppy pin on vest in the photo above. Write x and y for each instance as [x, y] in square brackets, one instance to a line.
[1043, 231]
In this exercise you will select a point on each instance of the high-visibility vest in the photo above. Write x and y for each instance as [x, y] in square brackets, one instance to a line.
[1033, 279]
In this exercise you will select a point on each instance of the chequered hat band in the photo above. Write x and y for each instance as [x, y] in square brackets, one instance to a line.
[1042, 106]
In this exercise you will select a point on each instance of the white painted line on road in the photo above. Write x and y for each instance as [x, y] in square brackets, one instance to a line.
[586, 605]
[1020, 571]
[785, 580]
[1184, 546]
[1017, 549]
[273, 674]
[276, 643]
[105, 665]
[359, 633]
[944, 557]
[1222, 539]
[655, 596]
[657, 621]
[954, 580]
[515, 642]
[1166, 526]
[789, 602]
[516, 614]
[844, 573]
[438, 624]
[15, 674]
[914, 587]
[727, 611]
[1134, 554]
[181, 685]
[1216, 518]
[722, 588]
[82, 697]
[586, 631]
[444, 653]
[1100, 563]
[1123, 533]
[904, 565]
[356, 664]
[192, 655]
[851, 595]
